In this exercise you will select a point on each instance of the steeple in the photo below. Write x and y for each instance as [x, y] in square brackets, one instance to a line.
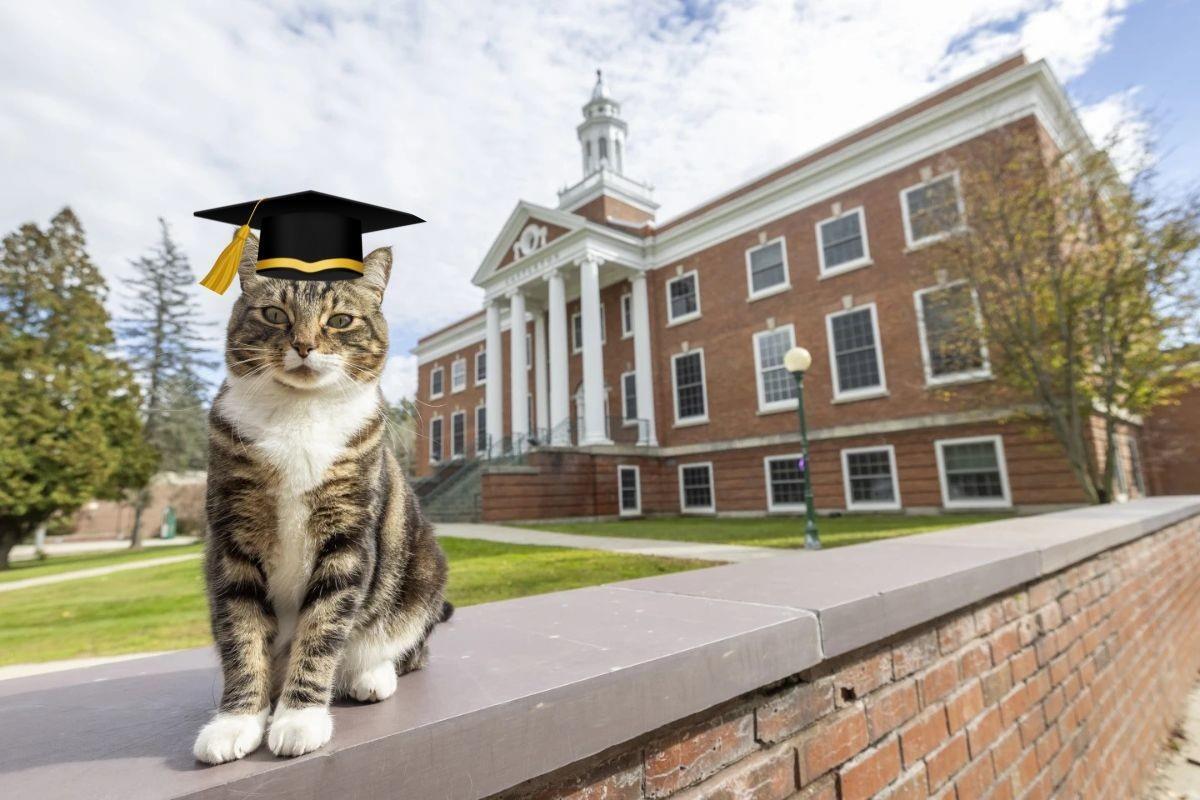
[602, 132]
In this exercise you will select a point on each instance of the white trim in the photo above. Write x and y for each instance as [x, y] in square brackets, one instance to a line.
[637, 484]
[924, 241]
[673, 320]
[441, 444]
[712, 489]
[848, 266]
[626, 316]
[453, 388]
[442, 393]
[775, 405]
[776, 288]
[1001, 463]
[871, 506]
[480, 358]
[771, 504]
[983, 373]
[697, 420]
[865, 392]
[627, 421]
[528, 351]
[462, 453]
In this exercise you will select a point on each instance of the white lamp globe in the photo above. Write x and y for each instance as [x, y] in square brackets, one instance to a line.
[797, 360]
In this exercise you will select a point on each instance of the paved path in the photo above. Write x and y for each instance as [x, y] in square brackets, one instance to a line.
[613, 544]
[94, 572]
[25, 670]
[1178, 776]
[26, 552]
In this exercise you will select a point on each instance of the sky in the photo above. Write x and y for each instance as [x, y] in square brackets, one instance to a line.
[128, 111]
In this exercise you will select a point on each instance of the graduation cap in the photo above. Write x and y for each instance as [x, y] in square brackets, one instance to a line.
[306, 236]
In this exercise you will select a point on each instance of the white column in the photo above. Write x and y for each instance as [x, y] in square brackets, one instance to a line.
[643, 372]
[519, 399]
[560, 400]
[593, 354]
[495, 379]
[540, 389]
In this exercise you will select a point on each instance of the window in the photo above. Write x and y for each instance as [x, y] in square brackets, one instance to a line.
[854, 351]
[972, 472]
[932, 210]
[458, 375]
[530, 421]
[785, 482]
[603, 147]
[458, 434]
[696, 489]
[766, 269]
[629, 411]
[842, 243]
[435, 440]
[577, 330]
[626, 316]
[437, 382]
[683, 298]
[687, 373]
[1135, 466]
[481, 368]
[951, 334]
[481, 434]
[869, 475]
[630, 490]
[776, 386]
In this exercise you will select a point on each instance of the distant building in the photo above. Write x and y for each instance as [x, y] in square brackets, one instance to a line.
[648, 377]
[182, 491]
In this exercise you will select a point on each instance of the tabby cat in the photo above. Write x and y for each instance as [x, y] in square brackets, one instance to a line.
[323, 577]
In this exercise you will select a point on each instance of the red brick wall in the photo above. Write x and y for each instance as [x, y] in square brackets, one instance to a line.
[1066, 687]
[1170, 451]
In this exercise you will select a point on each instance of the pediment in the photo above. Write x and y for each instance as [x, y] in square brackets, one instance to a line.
[529, 229]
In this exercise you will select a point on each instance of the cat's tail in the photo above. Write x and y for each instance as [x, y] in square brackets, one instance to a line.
[447, 611]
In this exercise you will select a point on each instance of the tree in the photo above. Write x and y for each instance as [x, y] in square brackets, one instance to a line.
[70, 429]
[1085, 288]
[161, 337]
[402, 432]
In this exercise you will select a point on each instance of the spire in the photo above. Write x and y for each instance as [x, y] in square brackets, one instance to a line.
[600, 91]
[602, 132]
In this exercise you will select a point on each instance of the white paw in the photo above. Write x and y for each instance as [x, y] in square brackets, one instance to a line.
[230, 736]
[377, 683]
[296, 731]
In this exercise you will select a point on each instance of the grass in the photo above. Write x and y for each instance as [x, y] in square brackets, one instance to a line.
[771, 531]
[20, 570]
[163, 608]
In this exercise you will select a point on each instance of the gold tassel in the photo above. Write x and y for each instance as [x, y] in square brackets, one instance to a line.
[226, 265]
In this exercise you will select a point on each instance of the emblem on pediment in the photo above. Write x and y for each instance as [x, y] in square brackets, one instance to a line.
[531, 239]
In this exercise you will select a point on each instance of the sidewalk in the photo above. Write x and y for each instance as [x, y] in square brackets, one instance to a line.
[43, 667]
[26, 552]
[1178, 776]
[94, 572]
[614, 544]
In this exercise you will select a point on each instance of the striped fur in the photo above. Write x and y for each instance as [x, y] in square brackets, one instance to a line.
[323, 577]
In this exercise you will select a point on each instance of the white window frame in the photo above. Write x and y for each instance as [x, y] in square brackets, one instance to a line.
[577, 347]
[432, 372]
[775, 405]
[480, 358]
[462, 453]
[627, 315]
[482, 407]
[1001, 463]
[637, 483]
[1137, 468]
[630, 421]
[771, 504]
[981, 374]
[867, 392]
[441, 444]
[683, 423]
[849, 266]
[752, 295]
[455, 388]
[851, 505]
[913, 244]
[712, 488]
[528, 351]
[673, 320]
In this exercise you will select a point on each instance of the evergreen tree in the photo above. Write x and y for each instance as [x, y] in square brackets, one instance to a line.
[70, 429]
[161, 336]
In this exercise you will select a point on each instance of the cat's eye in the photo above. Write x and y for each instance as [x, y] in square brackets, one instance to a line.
[275, 315]
[340, 321]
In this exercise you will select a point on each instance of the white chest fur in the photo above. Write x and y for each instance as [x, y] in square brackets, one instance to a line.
[300, 435]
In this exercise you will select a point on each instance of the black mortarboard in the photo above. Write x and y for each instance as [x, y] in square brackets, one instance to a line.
[303, 236]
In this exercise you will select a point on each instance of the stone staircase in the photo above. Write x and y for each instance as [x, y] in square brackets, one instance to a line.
[452, 494]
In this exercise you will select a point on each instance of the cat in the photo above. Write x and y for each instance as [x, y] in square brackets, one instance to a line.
[323, 577]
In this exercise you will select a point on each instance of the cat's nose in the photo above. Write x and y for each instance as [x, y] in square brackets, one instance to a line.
[303, 348]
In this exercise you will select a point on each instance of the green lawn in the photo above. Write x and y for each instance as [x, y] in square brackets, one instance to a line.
[20, 570]
[163, 608]
[771, 531]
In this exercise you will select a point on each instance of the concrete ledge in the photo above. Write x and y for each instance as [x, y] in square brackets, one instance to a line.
[518, 689]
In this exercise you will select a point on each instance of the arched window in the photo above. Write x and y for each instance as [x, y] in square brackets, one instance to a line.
[603, 148]
[587, 148]
[617, 148]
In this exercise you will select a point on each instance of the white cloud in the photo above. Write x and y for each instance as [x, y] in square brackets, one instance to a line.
[399, 377]
[130, 110]
[1119, 124]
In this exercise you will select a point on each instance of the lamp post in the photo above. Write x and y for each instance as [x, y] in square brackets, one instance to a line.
[797, 361]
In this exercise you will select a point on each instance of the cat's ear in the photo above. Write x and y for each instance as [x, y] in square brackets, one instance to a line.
[377, 268]
[246, 267]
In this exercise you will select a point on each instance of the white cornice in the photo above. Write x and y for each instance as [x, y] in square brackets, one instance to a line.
[521, 214]
[605, 181]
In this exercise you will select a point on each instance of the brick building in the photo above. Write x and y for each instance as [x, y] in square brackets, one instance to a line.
[650, 379]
